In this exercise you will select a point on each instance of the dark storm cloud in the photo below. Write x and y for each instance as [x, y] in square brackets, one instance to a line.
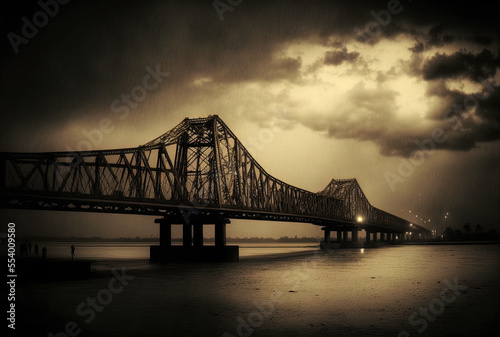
[92, 52]
[461, 120]
[437, 36]
[476, 67]
[469, 118]
[447, 21]
[482, 40]
[370, 119]
[418, 47]
[489, 107]
[337, 57]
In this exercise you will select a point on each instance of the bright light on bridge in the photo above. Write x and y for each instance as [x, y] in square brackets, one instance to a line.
[360, 218]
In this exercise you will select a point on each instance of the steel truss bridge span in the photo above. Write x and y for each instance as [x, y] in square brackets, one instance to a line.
[198, 169]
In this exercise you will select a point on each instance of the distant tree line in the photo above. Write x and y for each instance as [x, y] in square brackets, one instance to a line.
[153, 238]
[470, 232]
[269, 239]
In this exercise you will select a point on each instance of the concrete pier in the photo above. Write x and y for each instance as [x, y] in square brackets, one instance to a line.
[187, 235]
[165, 233]
[344, 236]
[327, 236]
[193, 249]
[342, 241]
[220, 233]
[198, 235]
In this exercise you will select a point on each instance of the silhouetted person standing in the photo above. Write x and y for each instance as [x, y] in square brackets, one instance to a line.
[44, 252]
[72, 251]
[29, 248]
[36, 249]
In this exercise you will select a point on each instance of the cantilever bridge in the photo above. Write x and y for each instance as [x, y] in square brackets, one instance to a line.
[197, 173]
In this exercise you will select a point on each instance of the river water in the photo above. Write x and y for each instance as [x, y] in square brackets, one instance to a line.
[391, 291]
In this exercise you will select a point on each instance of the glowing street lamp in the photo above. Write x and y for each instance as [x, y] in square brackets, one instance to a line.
[359, 218]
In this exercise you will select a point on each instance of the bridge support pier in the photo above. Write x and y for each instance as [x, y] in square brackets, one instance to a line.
[220, 234]
[374, 239]
[343, 240]
[165, 233]
[187, 234]
[198, 235]
[327, 239]
[192, 249]
[344, 236]
[354, 243]
[398, 238]
[395, 238]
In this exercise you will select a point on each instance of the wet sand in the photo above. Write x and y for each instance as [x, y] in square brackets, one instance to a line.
[351, 292]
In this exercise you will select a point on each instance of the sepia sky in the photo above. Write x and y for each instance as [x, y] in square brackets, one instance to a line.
[404, 96]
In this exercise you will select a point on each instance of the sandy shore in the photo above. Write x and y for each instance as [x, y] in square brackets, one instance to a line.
[371, 292]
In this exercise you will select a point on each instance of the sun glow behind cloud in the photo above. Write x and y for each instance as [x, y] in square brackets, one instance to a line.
[359, 92]
[343, 91]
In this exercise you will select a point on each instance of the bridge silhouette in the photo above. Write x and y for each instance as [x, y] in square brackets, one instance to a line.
[196, 174]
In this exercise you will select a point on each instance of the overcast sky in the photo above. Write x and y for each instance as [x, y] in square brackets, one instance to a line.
[314, 89]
